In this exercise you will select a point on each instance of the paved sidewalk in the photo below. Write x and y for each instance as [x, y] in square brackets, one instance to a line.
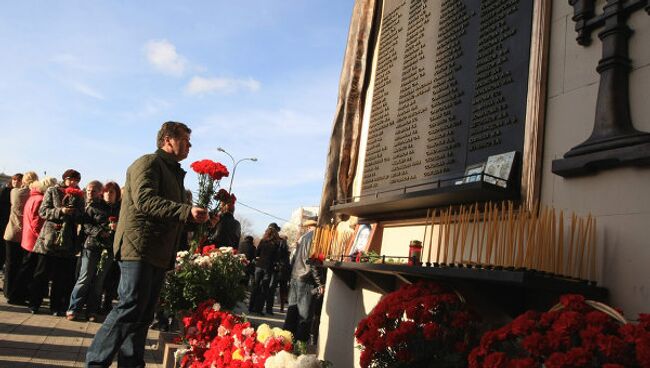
[43, 340]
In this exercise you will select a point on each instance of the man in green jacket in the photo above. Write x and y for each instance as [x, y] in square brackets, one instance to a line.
[149, 230]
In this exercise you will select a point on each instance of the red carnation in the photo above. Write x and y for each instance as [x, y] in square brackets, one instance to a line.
[73, 192]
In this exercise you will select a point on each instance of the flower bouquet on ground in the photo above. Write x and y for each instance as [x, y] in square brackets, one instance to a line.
[217, 338]
[420, 325]
[576, 333]
[210, 174]
[214, 274]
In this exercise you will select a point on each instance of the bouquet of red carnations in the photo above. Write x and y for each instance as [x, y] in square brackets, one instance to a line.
[420, 325]
[210, 174]
[578, 333]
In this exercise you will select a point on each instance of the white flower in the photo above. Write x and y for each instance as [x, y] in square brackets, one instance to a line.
[282, 359]
[216, 307]
[226, 249]
[222, 331]
[307, 361]
[247, 331]
[182, 254]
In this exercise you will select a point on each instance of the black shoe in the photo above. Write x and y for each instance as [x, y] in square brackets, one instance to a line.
[58, 313]
[33, 310]
[15, 302]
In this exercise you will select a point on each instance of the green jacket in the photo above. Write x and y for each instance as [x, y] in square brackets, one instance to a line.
[154, 211]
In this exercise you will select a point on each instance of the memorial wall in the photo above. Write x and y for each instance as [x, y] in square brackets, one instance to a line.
[450, 89]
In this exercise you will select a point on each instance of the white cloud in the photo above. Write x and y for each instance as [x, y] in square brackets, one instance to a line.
[87, 90]
[200, 85]
[162, 55]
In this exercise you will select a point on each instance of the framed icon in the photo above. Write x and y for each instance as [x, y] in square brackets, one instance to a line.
[499, 167]
[361, 240]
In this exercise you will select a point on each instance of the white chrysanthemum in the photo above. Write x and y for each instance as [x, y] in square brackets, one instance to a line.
[282, 359]
[226, 249]
[247, 331]
[307, 361]
[182, 254]
[216, 307]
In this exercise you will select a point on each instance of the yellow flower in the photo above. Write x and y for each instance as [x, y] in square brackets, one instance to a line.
[236, 355]
[286, 335]
[264, 332]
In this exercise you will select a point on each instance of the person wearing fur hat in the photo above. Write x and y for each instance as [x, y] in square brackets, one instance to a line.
[57, 244]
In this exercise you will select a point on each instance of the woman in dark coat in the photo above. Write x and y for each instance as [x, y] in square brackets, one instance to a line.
[266, 257]
[57, 244]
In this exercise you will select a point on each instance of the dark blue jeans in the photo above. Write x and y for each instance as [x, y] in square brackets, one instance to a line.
[125, 329]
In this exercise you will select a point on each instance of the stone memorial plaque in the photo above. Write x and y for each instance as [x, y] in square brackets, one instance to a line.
[450, 84]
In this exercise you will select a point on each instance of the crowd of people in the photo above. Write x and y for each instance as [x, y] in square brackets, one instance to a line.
[85, 248]
[55, 233]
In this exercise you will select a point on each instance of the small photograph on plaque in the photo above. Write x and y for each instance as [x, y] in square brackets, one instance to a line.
[361, 241]
[499, 167]
[473, 173]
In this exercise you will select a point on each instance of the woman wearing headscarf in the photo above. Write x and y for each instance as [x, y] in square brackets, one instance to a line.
[56, 246]
[14, 233]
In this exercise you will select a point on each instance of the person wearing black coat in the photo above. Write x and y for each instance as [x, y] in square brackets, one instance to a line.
[247, 248]
[266, 257]
[228, 229]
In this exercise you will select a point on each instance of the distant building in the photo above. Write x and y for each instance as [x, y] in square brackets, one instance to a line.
[293, 228]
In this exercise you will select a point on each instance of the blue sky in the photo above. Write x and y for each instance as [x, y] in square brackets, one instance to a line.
[86, 84]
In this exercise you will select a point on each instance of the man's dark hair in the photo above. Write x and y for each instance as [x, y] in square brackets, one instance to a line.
[171, 129]
[18, 176]
[248, 238]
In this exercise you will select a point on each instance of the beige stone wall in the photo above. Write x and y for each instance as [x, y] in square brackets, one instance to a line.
[618, 198]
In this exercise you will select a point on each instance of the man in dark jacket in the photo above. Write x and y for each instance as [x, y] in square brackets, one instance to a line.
[228, 229]
[153, 215]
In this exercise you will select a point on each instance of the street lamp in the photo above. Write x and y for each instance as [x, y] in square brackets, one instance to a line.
[234, 165]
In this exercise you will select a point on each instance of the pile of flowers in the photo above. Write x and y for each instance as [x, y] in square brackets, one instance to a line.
[217, 338]
[575, 335]
[210, 174]
[216, 273]
[423, 324]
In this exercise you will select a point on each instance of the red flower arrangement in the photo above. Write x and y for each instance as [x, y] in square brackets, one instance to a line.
[423, 324]
[574, 335]
[215, 170]
[73, 192]
[220, 339]
[210, 173]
